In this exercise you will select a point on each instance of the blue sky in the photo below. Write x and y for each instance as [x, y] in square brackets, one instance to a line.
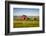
[25, 11]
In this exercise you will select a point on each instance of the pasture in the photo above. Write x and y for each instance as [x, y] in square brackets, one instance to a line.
[23, 24]
[18, 22]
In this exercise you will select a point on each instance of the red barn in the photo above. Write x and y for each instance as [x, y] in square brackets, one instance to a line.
[24, 17]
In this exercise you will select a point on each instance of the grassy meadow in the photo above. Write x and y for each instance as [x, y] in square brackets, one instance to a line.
[32, 21]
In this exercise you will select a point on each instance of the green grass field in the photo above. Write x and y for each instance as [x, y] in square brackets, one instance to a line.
[26, 23]
[18, 24]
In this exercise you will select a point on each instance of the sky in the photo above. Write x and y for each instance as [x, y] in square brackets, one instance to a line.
[25, 11]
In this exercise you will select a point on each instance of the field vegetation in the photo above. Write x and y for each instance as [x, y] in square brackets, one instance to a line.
[30, 22]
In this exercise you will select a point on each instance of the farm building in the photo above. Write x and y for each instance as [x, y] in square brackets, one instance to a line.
[24, 17]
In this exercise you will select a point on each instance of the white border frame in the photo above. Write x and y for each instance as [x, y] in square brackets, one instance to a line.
[24, 29]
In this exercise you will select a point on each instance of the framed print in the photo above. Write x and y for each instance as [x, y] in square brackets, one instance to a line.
[24, 17]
